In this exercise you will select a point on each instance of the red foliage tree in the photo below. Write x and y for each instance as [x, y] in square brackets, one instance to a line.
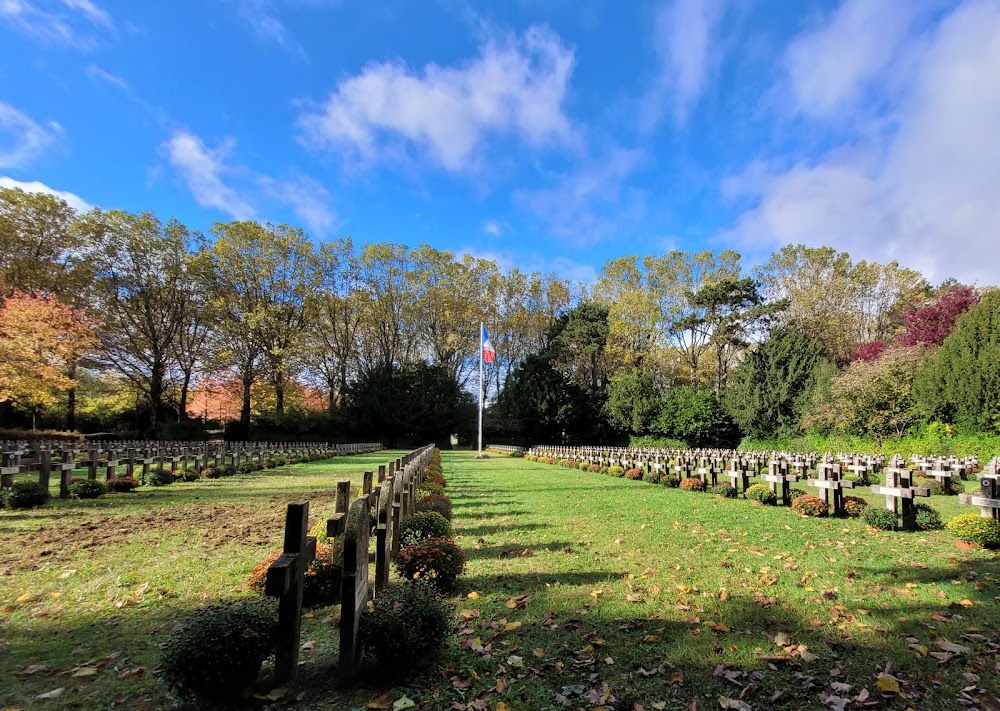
[867, 352]
[931, 324]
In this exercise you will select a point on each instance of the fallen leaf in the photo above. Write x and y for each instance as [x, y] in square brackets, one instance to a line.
[473, 595]
[403, 702]
[511, 626]
[54, 694]
[382, 701]
[308, 646]
[501, 706]
[130, 673]
[887, 684]
[85, 671]
[27, 597]
[515, 661]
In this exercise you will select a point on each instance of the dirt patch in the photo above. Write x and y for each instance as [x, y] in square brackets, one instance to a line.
[216, 523]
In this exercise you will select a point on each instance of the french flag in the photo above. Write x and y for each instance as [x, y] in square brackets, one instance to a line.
[488, 351]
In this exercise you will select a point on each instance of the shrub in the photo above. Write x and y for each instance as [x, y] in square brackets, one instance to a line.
[935, 487]
[549, 460]
[246, 467]
[426, 489]
[976, 529]
[87, 488]
[218, 651]
[809, 505]
[318, 531]
[438, 503]
[693, 483]
[854, 506]
[160, 477]
[853, 478]
[726, 491]
[517, 455]
[406, 625]
[928, 519]
[880, 518]
[421, 525]
[670, 480]
[568, 463]
[873, 479]
[594, 468]
[26, 495]
[761, 493]
[304, 459]
[652, 476]
[435, 479]
[188, 473]
[616, 470]
[437, 559]
[321, 583]
[794, 493]
[583, 466]
[219, 471]
[122, 484]
[633, 474]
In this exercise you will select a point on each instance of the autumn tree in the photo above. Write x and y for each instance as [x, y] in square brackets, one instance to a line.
[39, 339]
[931, 323]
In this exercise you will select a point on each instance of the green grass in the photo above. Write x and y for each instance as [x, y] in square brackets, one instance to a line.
[102, 582]
[580, 580]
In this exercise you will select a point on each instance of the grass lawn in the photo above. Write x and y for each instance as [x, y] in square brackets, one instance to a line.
[582, 591]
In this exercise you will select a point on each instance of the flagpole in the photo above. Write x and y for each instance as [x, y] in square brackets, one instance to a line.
[481, 329]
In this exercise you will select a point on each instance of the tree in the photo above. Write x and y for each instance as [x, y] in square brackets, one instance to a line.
[695, 415]
[632, 311]
[577, 343]
[634, 401]
[143, 289]
[930, 324]
[39, 339]
[765, 394]
[960, 384]
[387, 337]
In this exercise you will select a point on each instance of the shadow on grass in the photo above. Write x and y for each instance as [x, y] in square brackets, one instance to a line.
[489, 530]
[516, 551]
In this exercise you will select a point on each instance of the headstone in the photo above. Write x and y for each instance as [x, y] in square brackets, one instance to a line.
[354, 591]
[778, 479]
[829, 481]
[897, 486]
[383, 535]
[988, 499]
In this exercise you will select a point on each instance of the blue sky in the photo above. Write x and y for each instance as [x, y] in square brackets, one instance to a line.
[548, 134]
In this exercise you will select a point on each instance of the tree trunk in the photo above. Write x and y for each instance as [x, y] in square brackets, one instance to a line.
[279, 394]
[156, 391]
[185, 386]
[245, 409]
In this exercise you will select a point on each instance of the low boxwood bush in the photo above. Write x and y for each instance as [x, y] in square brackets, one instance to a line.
[426, 489]
[693, 483]
[438, 503]
[320, 585]
[594, 468]
[615, 470]
[976, 529]
[935, 487]
[25, 495]
[424, 524]
[188, 473]
[761, 493]
[854, 506]
[160, 477]
[246, 468]
[439, 560]
[405, 626]
[633, 474]
[726, 491]
[583, 466]
[122, 484]
[218, 651]
[670, 480]
[652, 476]
[794, 493]
[928, 518]
[880, 518]
[87, 488]
[809, 505]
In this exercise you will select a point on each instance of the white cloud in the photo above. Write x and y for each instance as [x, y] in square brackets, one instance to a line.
[262, 16]
[529, 262]
[829, 67]
[588, 205]
[516, 86]
[98, 73]
[69, 22]
[492, 227]
[687, 49]
[203, 169]
[216, 182]
[926, 194]
[22, 139]
[71, 199]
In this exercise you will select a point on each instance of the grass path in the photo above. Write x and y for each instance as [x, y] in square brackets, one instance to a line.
[670, 597]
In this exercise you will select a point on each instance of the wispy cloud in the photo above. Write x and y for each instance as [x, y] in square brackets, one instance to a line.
[34, 186]
[98, 73]
[22, 139]
[492, 227]
[924, 193]
[684, 35]
[216, 181]
[75, 23]
[515, 87]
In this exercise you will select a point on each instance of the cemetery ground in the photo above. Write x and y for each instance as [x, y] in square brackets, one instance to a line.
[582, 591]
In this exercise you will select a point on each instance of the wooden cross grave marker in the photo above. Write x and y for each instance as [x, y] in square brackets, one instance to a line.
[897, 486]
[988, 499]
[943, 474]
[285, 582]
[777, 475]
[737, 473]
[355, 590]
[828, 479]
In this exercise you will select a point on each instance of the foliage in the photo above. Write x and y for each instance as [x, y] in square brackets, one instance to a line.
[437, 503]
[217, 652]
[439, 560]
[122, 484]
[765, 394]
[320, 584]
[809, 505]
[224, 470]
[633, 474]
[960, 384]
[634, 400]
[615, 470]
[671, 480]
[657, 442]
[188, 473]
[881, 518]
[696, 416]
[652, 476]
[928, 518]
[160, 477]
[421, 525]
[975, 529]
[930, 324]
[724, 490]
[430, 489]
[761, 493]
[935, 487]
[693, 483]
[854, 506]
[87, 488]
[25, 495]
[867, 352]
[405, 626]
